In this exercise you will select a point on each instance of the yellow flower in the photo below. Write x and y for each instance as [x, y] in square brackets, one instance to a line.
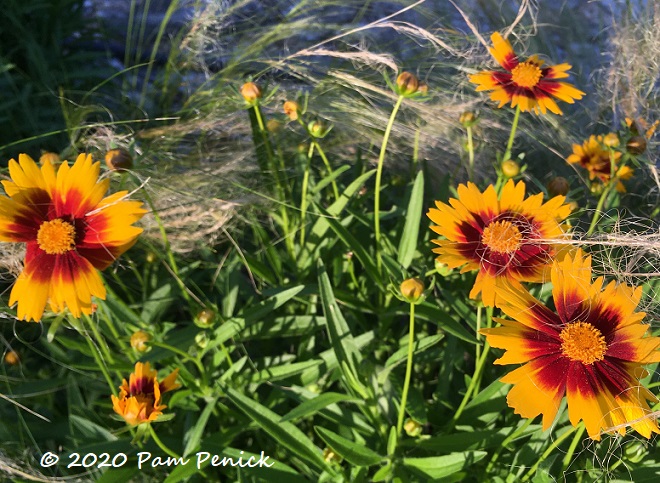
[292, 110]
[139, 400]
[250, 92]
[509, 238]
[527, 84]
[593, 156]
[71, 232]
[590, 347]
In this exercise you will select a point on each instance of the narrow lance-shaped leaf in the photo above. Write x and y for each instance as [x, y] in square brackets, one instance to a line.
[408, 241]
[352, 452]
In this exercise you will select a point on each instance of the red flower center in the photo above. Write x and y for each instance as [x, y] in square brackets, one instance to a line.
[501, 237]
[526, 74]
[582, 342]
[56, 237]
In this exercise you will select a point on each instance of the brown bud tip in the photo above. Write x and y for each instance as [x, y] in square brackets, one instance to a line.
[119, 159]
[407, 83]
[636, 145]
[139, 341]
[412, 289]
[510, 168]
[11, 358]
[291, 109]
[250, 92]
[611, 140]
[467, 118]
[205, 318]
[558, 186]
[52, 158]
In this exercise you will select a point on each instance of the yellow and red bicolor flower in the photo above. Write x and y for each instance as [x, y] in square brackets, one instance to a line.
[527, 84]
[139, 399]
[507, 238]
[593, 156]
[591, 348]
[70, 229]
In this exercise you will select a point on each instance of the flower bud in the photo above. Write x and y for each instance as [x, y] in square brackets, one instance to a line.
[558, 186]
[510, 168]
[139, 341]
[636, 145]
[291, 109]
[202, 340]
[329, 456]
[412, 428]
[11, 358]
[250, 92]
[423, 88]
[48, 157]
[151, 257]
[596, 188]
[205, 318]
[316, 129]
[611, 140]
[442, 268]
[573, 205]
[273, 125]
[119, 159]
[407, 84]
[467, 119]
[412, 289]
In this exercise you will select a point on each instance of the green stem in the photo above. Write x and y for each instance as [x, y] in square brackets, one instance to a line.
[379, 174]
[303, 200]
[101, 364]
[512, 135]
[470, 146]
[335, 190]
[183, 354]
[99, 340]
[415, 158]
[571, 449]
[168, 249]
[473, 383]
[604, 195]
[547, 453]
[161, 445]
[409, 364]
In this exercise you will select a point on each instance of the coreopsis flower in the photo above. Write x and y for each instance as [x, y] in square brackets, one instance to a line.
[529, 84]
[139, 399]
[593, 156]
[590, 347]
[508, 238]
[71, 232]
[251, 92]
[291, 110]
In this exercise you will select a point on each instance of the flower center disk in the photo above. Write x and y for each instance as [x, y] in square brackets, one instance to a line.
[582, 342]
[501, 237]
[526, 74]
[56, 237]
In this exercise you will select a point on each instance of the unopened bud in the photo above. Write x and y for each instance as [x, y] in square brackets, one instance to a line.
[316, 129]
[11, 358]
[407, 84]
[250, 92]
[467, 118]
[573, 205]
[510, 168]
[139, 341]
[119, 159]
[558, 186]
[412, 289]
[202, 340]
[291, 109]
[596, 188]
[442, 268]
[273, 125]
[151, 257]
[52, 158]
[611, 140]
[329, 456]
[205, 318]
[412, 428]
[636, 145]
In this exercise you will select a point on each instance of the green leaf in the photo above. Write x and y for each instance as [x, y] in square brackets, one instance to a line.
[314, 405]
[352, 452]
[330, 178]
[234, 326]
[288, 326]
[283, 371]
[419, 346]
[356, 247]
[193, 437]
[408, 241]
[348, 355]
[89, 430]
[157, 303]
[284, 433]
[437, 467]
